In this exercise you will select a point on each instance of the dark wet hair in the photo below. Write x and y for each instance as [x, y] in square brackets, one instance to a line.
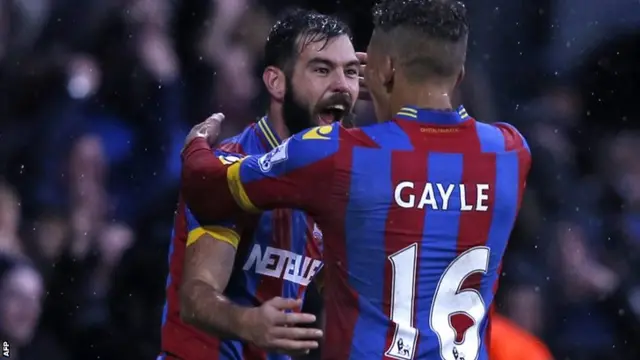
[297, 28]
[428, 37]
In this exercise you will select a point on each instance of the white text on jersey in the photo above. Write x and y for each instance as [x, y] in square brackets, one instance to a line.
[283, 264]
[437, 196]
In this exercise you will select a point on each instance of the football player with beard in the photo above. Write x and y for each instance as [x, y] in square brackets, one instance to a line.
[235, 287]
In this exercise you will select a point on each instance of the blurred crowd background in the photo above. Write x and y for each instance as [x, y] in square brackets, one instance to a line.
[96, 97]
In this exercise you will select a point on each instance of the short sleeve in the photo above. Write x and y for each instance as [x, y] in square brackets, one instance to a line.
[223, 230]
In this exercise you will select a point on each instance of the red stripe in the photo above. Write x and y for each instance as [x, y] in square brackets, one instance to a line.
[313, 246]
[478, 168]
[176, 262]
[341, 301]
[524, 164]
[512, 138]
[439, 138]
[188, 343]
[403, 228]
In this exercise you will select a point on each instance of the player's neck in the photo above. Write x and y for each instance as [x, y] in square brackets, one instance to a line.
[276, 120]
[423, 97]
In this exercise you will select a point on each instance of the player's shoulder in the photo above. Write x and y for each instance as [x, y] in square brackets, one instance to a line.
[505, 133]
[303, 148]
[513, 138]
[244, 143]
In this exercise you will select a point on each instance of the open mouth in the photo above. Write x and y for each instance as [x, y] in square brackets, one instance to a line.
[331, 114]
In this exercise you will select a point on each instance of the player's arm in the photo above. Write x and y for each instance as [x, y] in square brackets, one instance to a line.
[209, 261]
[297, 174]
[208, 264]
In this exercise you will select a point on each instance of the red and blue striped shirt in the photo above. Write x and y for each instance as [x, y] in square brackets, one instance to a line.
[278, 253]
[416, 214]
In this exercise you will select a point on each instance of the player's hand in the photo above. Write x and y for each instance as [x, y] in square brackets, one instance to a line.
[208, 129]
[271, 328]
[364, 91]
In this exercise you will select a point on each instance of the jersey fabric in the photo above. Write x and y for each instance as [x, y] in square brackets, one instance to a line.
[416, 214]
[278, 252]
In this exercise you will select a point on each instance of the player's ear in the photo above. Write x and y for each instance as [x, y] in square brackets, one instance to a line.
[275, 82]
[388, 73]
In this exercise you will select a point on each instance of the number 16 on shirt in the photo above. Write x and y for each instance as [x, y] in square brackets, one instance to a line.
[449, 300]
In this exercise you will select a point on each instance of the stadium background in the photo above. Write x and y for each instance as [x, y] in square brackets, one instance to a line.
[96, 97]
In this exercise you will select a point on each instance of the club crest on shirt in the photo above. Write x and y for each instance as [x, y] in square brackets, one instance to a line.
[318, 133]
[277, 155]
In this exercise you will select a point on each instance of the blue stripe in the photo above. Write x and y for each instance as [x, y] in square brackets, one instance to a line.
[505, 208]
[365, 224]
[192, 223]
[491, 138]
[389, 134]
[263, 237]
[230, 350]
[504, 216]
[438, 248]
[249, 281]
[298, 242]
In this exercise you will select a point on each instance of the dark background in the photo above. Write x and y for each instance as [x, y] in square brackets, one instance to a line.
[96, 97]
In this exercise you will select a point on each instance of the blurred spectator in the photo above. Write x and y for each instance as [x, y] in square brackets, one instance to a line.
[21, 292]
[48, 241]
[9, 221]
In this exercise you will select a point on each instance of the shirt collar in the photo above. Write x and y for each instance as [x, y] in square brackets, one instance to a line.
[269, 136]
[435, 117]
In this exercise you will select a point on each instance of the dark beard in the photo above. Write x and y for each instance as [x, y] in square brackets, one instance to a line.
[296, 116]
